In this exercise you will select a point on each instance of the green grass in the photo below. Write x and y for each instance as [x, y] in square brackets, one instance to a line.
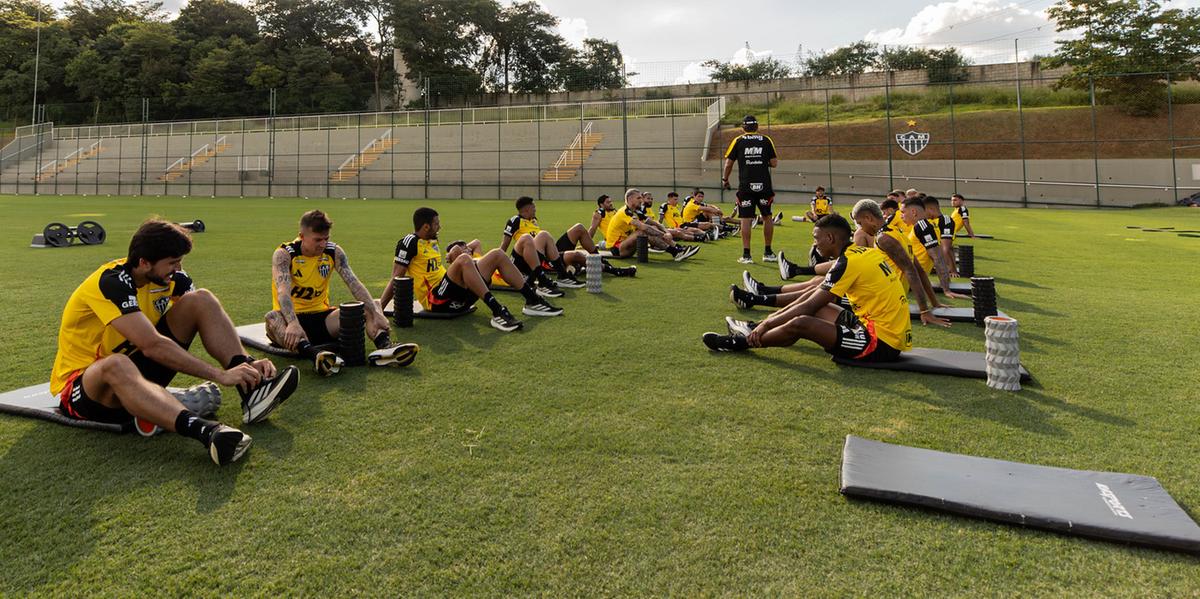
[604, 452]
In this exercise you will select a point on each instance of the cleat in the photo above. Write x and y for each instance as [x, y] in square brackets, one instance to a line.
[738, 297]
[688, 252]
[260, 401]
[785, 267]
[505, 322]
[717, 342]
[541, 308]
[549, 292]
[396, 356]
[739, 327]
[328, 363]
[748, 283]
[770, 258]
[228, 444]
[570, 282]
[778, 218]
[745, 260]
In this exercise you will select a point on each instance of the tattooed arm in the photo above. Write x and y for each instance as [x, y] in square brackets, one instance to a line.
[281, 272]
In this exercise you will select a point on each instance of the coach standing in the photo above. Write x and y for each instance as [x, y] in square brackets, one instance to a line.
[755, 156]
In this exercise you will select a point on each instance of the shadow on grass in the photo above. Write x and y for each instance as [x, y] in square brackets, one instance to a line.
[1000, 281]
[1009, 305]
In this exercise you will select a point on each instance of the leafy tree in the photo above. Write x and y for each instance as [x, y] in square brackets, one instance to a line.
[222, 19]
[599, 65]
[443, 41]
[856, 58]
[524, 48]
[305, 23]
[944, 65]
[378, 15]
[90, 19]
[1126, 47]
[763, 69]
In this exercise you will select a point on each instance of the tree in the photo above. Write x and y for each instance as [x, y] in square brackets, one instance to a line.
[90, 19]
[763, 69]
[1126, 48]
[599, 65]
[524, 49]
[944, 65]
[443, 40]
[856, 58]
[378, 15]
[222, 19]
[305, 23]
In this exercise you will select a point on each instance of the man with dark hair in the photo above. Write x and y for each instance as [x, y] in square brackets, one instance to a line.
[455, 288]
[125, 333]
[701, 215]
[945, 229]
[302, 318]
[961, 216]
[536, 250]
[820, 205]
[601, 217]
[926, 246]
[755, 155]
[629, 223]
[672, 219]
[876, 328]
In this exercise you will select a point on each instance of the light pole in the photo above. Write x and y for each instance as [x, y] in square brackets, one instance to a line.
[37, 60]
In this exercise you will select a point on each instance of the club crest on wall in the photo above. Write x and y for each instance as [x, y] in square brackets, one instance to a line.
[912, 141]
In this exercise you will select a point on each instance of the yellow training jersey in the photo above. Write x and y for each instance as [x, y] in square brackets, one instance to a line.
[691, 210]
[821, 206]
[924, 237]
[873, 287]
[959, 215]
[518, 227]
[310, 279]
[423, 258]
[672, 218]
[85, 336]
[905, 243]
[605, 218]
[620, 227]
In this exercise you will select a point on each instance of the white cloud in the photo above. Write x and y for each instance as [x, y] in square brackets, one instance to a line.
[696, 73]
[982, 30]
[574, 30]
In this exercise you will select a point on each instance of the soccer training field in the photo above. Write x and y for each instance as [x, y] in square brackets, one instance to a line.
[605, 451]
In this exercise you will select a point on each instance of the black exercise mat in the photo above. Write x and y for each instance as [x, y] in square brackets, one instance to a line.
[977, 236]
[963, 288]
[419, 311]
[951, 314]
[36, 401]
[1104, 505]
[254, 336]
[935, 361]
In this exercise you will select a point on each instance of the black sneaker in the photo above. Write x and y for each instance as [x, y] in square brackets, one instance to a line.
[717, 342]
[739, 298]
[228, 444]
[570, 282]
[542, 308]
[396, 356]
[506, 322]
[786, 271]
[260, 401]
[545, 291]
[625, 271]
[688, 252]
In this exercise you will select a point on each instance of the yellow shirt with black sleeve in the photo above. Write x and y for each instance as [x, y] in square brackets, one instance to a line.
[905, 243]
[605, 218]
[672, 217]
[959, 215]
[84, 334]
[310, 279]
[423, 259]
[897, 222]
[620, 227]
[864, 276]
[943, 225]
[821, 206]
[518, 227]
[923, 237]
[691, 210]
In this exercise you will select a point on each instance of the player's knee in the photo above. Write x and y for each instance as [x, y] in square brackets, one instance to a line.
[801, 325]
[118, 368]
[577, 229]
[202, 297]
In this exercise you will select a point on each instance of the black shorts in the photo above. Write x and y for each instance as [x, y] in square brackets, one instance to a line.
[449, 297]
[749, 201]
[313, 324]
[564, 243]
[857, 341]
[74, 400]
[523, 266]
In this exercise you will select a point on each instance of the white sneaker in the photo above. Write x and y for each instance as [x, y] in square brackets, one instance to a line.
[745, 260]
[396, 356]
[748, 282]
[785, 272]
[770, 258]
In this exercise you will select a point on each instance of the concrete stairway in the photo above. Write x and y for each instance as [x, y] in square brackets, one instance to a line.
[52, 169]
[182, 166]
[572, 158]
[367, 156]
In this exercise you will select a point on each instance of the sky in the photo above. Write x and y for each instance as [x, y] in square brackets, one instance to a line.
[666, 40]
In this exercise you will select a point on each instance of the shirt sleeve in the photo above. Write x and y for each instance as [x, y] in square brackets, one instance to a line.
[729, 152]
[117, 296]
[947, 227]
[964, 213]
[925, 234]
[183, 284]
[769, 150]
[839, 278]
[512, 226]
[406, 250]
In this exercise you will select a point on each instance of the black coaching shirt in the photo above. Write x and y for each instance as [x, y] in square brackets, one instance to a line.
[753, 153]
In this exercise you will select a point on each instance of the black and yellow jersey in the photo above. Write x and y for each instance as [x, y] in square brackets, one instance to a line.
[672, 218]
[84, 334]
[959, 215]
[905, 243]
[924, 237]
[821, 205]
[896, 221]
[518, 227]
[620, 227]
[865, 277]
[605, 218]
[423, 259]
[691, 210]
[753, 153]
[648, 212]
[943, 225]
[310, 278]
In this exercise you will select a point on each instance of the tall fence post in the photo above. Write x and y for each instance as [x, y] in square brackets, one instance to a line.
[462, 154]
[142, 168]
[271, 145]
[625, 138]
[1021, 125]
[1171, 136]
[1095, 137]
[953, 141]
[887, 102]
[828, 145]
[674, 174]
[537, 159]
[427, 94]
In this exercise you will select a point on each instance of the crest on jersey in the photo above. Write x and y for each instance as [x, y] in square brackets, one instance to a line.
[912, 142]
[324, 270]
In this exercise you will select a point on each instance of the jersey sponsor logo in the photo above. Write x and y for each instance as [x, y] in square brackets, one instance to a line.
[756, 187]
[753, 151]
[125, 278]
[297, 274]
[912, 142]
[1110, 499]
[131, 302]
[402, 254]
[324, 270]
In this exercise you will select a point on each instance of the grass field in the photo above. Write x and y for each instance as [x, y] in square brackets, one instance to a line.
[604, 452]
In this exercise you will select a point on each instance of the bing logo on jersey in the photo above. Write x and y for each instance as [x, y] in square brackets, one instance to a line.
[324, 270]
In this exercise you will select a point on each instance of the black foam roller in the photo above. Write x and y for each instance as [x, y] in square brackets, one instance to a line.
[402, 301]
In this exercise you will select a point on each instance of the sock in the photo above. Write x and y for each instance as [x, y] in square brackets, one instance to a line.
[306, 349]
[239, 359]
[531, 296]
[770, 289]
[804, 270]
[194, 427]
[560, 267]
[767, 249]
[745, 252]
[539, 275]
[765, 299]
[383, 339]
[494, 304]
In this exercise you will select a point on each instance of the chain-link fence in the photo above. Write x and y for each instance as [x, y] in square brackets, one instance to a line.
[999, 133]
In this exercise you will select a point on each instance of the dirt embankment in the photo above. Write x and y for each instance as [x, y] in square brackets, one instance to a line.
[1049, 133]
